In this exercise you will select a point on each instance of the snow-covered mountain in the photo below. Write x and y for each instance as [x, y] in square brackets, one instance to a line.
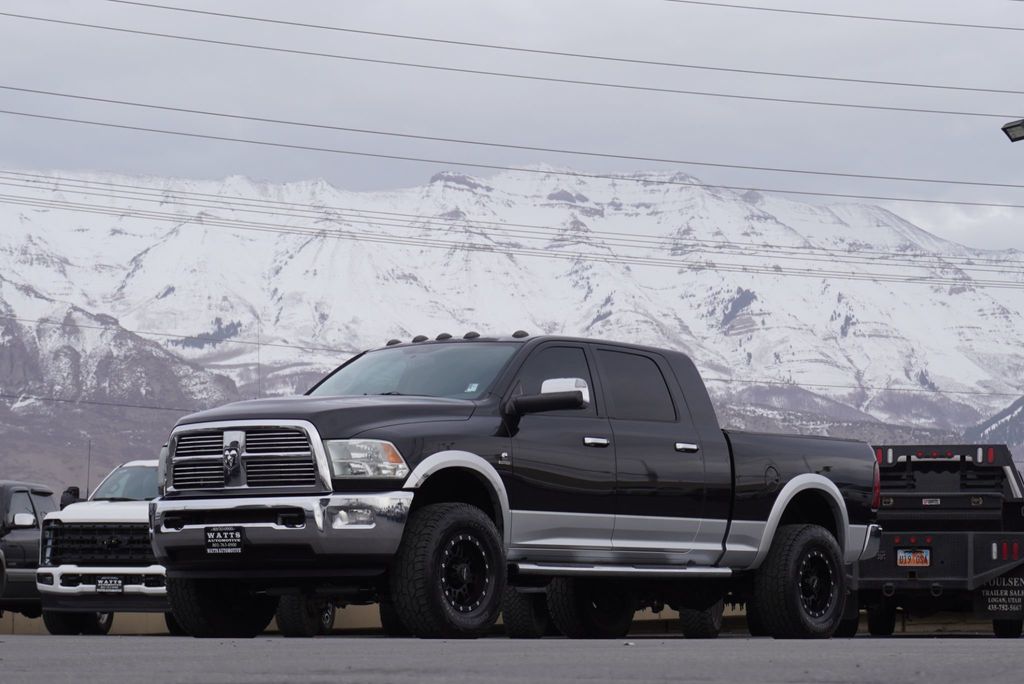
[203, 270]
[1006, 427]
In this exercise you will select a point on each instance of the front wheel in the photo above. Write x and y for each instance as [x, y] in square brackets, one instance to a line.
[208, 608]
[590, 609]
[449, 572]
[1008, 629]
[390, 623]
[799, 589]
[702, 624]
[174, 627]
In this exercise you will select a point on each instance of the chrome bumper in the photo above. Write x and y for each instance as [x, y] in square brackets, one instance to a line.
[353, 525]
[128, 574]
[872, 542]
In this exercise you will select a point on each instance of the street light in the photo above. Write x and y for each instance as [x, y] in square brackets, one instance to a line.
[1014, 130]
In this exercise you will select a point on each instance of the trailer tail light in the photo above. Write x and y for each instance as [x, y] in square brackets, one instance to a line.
[991, 455]
[878, 455]
[876, 487]
[1016, 550]
[1006, 551]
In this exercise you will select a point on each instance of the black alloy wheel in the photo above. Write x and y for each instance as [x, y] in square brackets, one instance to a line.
[819, 590]
[465, 572]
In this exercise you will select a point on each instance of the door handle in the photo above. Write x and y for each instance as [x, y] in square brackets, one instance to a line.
[595, 442]
[687, 447]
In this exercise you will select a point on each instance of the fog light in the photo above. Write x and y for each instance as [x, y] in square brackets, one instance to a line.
[350, 516]
[44, 578]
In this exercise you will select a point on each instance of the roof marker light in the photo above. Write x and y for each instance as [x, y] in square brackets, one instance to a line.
[520, 333]
[392, 343]
[443, 336]
[471, 335]
[420, 338]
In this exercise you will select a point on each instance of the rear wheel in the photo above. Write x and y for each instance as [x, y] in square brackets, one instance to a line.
[754, 624]
[590, 609]
[525, 616]
[449, 573]
[848, 628]
[702, 624]
[304, 616]
[68, 624]
[799, 588]
[882, 619]
[1008, 629]
[390, 623]
[219, 608]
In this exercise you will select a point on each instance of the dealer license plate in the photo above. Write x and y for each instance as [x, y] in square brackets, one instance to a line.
[913, 558]
[109, 585]
[224, 539]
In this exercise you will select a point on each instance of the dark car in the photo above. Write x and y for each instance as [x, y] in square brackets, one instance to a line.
[22, 509]
[953, 516]
[574, 478]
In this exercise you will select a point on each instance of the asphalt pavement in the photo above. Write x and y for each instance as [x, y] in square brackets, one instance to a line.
[636, 659]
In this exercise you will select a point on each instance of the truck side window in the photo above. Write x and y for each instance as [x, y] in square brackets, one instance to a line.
[557, 362]
[636, 387]
[20, 503]
[44, 504]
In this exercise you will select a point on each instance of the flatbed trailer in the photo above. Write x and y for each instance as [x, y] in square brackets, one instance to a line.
[953, 538]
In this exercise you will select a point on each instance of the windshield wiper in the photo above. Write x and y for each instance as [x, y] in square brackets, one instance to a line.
[114, 498]
[393, 394]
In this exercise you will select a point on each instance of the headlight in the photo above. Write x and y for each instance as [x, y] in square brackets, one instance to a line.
[365, 458]
[161, 469]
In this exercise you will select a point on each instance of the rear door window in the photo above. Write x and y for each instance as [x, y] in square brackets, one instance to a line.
[635, 387]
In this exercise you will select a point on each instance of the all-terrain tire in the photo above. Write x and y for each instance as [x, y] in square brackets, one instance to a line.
[64, 624]
[799, 589]
[590, 609]
[390, 622]
[448, 575]
[882, 619]
[702, 624]
[218, 608]
[1008, 629]
[174, 627]
[304, 616]
[525, 616]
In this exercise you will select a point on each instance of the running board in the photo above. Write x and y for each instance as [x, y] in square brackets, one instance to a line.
[573, 569]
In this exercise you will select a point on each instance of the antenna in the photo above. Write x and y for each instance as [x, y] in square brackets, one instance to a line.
[88, 470]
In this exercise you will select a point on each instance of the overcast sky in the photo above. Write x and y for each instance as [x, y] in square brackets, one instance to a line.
[331, 91]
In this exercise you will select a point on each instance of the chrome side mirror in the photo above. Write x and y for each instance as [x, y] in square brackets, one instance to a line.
[24, 520]
[553, 385]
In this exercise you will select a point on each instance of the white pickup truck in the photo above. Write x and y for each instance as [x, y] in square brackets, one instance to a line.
[96, 559]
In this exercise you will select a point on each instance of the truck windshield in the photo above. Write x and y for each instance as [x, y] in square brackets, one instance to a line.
[131, 483]
[456, 371]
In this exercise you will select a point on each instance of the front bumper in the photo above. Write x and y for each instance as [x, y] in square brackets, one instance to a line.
[73, 588]
[310, 535]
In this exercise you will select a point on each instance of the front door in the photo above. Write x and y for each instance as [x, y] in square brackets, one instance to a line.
[660, 491]
[563, 464]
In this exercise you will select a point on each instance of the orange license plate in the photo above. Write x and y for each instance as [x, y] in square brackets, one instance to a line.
[913, 558]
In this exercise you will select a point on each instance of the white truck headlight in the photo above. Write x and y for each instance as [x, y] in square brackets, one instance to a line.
[365, 458]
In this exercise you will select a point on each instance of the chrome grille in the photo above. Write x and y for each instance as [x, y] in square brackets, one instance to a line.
[272, 457]
[275, 471]
[209, 443]
[200, 473]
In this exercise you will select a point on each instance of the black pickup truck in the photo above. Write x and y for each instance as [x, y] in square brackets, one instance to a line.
[432, 475]
[22, 509]
[953, 516]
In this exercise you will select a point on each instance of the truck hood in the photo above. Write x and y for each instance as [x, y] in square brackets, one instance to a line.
[340, 417]
[103, 512]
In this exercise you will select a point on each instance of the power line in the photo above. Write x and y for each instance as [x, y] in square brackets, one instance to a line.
[150, 333]
[509, 250]
[837, 15]
[232, 201]
[560, 53]
[499, 167]
[637, 241]
[922, 390]
[510, 146]
[503, 74]
[61, 400]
